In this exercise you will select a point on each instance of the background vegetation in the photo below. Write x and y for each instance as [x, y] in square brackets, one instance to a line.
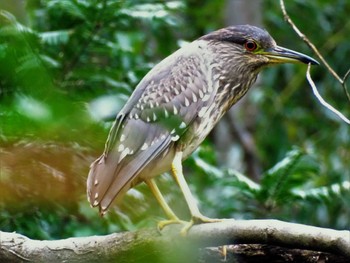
[66, 68]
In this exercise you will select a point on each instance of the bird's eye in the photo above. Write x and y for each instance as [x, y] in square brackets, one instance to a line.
[250, 45]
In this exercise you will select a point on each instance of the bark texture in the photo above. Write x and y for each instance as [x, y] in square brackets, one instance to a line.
[227, 241]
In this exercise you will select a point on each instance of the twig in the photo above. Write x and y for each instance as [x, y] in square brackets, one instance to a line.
[346, 75]
[314, 49]
[321, 100]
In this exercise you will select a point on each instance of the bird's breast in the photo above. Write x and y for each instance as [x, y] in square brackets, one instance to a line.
[205, 121]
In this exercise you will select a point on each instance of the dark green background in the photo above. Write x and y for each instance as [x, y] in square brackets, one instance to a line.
[62, 62]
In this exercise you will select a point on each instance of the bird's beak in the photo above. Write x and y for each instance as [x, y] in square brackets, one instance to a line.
[284, 55]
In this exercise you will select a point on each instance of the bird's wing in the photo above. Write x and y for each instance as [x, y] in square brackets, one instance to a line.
[159, 111]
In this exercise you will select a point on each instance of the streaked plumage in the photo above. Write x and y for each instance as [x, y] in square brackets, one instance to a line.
[177, 104]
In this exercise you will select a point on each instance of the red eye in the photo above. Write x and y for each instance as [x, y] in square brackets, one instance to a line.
[250, 45]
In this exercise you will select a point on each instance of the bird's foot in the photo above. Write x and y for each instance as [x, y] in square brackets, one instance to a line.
[172, 221]
[195, 220]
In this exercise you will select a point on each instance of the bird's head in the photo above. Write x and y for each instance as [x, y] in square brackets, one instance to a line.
[255, 47]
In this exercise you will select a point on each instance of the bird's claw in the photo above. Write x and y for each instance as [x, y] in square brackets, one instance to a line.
[164, 223]
[196, 220]
[203, 219]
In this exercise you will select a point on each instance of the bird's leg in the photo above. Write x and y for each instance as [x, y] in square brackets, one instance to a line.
[173, 219]
[196, 216]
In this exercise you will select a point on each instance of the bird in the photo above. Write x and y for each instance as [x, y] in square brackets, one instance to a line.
[174, 108]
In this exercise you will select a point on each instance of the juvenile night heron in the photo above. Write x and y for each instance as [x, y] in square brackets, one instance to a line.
[174, 108]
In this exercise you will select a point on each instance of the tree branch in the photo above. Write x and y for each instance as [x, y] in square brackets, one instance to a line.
[321, 100]
[342, 81]
[149, 245]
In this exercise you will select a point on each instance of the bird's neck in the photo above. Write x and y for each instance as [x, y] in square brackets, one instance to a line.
[233, 87]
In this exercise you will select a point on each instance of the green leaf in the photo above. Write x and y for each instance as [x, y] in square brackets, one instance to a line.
[243, 182]
[55, 37]
[67, 6]
[325, 194]
[288, 173]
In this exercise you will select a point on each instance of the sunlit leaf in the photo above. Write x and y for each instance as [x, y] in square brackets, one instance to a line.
[55, 37]
[325, 193]
[106, 107]
[32, 108]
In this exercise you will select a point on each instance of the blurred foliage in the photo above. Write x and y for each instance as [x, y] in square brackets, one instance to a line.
[68, 66]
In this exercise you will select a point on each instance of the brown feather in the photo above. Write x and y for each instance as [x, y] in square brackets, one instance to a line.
[158, 114]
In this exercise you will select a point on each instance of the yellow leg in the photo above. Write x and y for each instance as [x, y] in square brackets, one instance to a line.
[197, 217]
[173, 219]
